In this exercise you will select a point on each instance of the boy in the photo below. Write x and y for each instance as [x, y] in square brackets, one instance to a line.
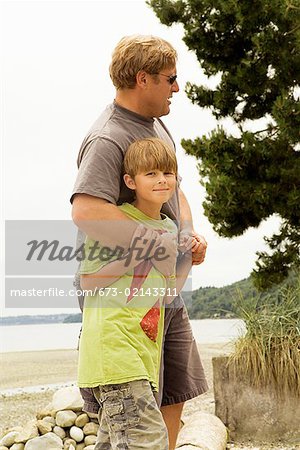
[121, 341]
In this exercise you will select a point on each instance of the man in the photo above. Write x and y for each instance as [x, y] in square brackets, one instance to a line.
[143, 70]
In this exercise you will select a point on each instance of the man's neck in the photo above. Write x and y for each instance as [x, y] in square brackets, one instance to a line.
[126, 99]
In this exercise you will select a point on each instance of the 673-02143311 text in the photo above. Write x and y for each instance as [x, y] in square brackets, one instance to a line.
[103, 292]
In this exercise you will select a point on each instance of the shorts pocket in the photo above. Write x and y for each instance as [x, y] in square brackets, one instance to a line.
[120, 410]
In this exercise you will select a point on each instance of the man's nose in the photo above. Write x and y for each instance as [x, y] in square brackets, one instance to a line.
[175, 86]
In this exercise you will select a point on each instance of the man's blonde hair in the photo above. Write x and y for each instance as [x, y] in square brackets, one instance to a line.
[149, 154]
[139, 52]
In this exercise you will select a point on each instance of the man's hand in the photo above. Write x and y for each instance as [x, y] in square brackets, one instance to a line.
[199, 249]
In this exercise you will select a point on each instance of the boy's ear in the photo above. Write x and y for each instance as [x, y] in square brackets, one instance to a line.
[129, 181]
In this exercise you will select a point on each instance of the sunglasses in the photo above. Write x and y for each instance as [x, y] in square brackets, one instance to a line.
[171, 78]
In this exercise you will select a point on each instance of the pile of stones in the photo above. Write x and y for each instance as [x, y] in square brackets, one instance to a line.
[62, 425]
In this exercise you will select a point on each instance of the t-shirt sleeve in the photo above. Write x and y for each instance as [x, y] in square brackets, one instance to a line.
[100, 171]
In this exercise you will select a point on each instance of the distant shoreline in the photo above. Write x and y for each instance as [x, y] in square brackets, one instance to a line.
[68, 318]
[40, 319]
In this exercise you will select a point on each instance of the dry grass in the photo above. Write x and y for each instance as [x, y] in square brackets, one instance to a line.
[269, 353]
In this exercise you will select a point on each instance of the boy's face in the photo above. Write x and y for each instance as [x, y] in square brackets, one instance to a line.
[154, 186]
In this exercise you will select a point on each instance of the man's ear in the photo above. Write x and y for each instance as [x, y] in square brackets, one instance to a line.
[130, 183]
[141, 78]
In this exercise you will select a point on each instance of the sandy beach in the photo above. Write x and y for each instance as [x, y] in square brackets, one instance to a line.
[24, 370]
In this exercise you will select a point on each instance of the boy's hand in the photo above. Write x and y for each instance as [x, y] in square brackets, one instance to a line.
[160, 248]
[145, 239]
[186, 242]
[164, 258]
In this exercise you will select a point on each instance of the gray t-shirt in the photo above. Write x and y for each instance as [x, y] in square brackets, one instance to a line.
[101, 155]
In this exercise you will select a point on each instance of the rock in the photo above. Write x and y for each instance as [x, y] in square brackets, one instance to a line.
[69, 443]
[49, 441]
[90, 440]
[203, 431]
[30, 431]
[65, 418]
[8, 439]
[76, 433]
[82, 420]
[67, 398]
[50, 420]
[46, 412]
[2, 447]
[60, 432]
[80, 446]
[90, 428]
[44, 426]
[17, 447]
[89, 447]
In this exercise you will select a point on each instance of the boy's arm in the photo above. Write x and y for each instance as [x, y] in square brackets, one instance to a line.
[114, 270]
[107, 275]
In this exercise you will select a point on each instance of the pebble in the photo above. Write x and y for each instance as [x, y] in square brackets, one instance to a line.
[91, 428]
[82, 420]
[69, 443]
[80, 446]
[65, 418]
[17, 447]
[76, 433]
[8, 439]
[90, 440]
[44, 426]
[60, 432]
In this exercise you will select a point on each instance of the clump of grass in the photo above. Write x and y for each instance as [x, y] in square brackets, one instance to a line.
[268, 355]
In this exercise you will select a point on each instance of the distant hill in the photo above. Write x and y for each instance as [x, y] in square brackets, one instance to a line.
[202, 303]
[215, 302]
[34, 320]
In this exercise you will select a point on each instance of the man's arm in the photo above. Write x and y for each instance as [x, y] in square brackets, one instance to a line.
[186, 227]
[186, 219]
[102, 221]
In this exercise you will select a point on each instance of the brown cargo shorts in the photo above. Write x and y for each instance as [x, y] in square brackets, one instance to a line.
[181, 376]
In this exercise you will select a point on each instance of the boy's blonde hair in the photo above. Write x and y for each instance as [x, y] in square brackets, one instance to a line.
[139, 52]
[147, 154]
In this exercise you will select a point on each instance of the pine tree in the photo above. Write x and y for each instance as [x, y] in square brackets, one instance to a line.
[254, 47]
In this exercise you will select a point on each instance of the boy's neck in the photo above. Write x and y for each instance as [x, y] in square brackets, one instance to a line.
[151, 210]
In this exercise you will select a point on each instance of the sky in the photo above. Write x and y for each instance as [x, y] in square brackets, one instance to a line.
[55, 84]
